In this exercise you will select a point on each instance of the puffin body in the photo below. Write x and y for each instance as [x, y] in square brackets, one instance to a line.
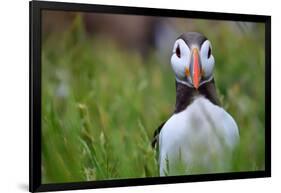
[196, 142]
[200, 135]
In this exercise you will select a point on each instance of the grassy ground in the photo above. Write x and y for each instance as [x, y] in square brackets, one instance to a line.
[102, 103]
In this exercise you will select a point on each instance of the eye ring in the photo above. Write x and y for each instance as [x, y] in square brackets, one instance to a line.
[178, 52]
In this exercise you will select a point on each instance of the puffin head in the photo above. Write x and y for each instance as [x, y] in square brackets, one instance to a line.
[192, 60]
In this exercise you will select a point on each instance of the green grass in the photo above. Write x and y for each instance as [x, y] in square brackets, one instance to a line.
[101, 103]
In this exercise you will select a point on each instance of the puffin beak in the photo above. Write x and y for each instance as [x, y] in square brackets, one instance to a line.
[196, 68]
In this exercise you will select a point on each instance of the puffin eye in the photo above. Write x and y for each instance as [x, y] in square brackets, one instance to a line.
[178, 52]
[209, 52]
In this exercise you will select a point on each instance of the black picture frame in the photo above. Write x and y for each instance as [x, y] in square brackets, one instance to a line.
[36, 7]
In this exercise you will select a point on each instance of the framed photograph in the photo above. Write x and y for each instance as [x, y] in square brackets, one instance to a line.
[126, 96]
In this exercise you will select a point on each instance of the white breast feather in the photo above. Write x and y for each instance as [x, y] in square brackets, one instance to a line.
[199, 139]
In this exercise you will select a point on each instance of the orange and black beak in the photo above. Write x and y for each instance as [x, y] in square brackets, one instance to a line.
[196, 68]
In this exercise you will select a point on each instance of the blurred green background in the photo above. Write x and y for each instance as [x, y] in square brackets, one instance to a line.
[107, 84]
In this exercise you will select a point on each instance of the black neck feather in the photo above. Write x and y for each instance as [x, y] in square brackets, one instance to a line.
[185, 94]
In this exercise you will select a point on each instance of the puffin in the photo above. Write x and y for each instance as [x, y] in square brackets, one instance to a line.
[200, 136]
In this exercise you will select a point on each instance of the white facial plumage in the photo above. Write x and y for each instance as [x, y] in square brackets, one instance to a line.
[207, 59]
[181, 61]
